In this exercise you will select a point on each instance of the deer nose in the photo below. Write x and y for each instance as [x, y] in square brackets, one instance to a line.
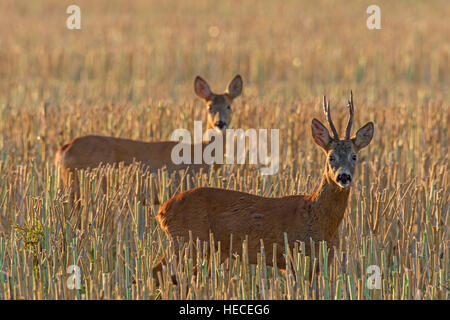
[344, 178]
[220, 124]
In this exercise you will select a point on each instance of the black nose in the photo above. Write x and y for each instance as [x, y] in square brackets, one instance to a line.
[220, 124]
[344, 178]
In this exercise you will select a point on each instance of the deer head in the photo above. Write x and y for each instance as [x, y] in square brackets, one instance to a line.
[218, 105]
[341, 153]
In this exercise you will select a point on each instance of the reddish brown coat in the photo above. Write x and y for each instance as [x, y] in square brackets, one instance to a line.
[91, 151]
[225, 212]
[303, 217]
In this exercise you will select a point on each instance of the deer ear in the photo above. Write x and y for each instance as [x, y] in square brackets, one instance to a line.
[201, 88]
[363, 136]
[235, 87]
[320, 134]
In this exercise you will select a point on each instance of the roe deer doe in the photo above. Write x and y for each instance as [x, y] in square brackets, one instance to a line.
[317, 215]
[91, 151]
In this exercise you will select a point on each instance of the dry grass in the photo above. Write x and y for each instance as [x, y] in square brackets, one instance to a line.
[129, 73]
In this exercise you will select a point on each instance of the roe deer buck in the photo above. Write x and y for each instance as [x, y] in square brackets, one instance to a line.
[317, 215]
[91, 151]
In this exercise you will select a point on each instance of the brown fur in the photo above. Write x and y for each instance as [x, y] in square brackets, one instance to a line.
[303, 217]
[91, 151]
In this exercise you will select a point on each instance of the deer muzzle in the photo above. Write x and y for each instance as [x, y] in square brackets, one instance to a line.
[344, 179]
[220, 124]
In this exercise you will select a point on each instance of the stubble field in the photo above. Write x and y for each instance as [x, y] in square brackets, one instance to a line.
[129, 73]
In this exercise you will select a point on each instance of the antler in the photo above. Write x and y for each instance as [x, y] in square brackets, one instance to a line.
[350, 119]
[326, 110]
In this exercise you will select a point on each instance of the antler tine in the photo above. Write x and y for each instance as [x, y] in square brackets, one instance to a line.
[326, 110]
[350, 119]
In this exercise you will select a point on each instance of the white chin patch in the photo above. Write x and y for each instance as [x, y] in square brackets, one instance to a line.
[342, 185]
[221, 130]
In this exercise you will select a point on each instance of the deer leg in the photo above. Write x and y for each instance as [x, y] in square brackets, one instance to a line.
[158, 268]
[334, 243]
[70, 183]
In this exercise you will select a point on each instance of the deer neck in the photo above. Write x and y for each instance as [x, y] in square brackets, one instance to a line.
[330, 203]
[207, 142]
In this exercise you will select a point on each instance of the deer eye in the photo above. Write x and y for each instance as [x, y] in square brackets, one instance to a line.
[228, 107]
[354, 157]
